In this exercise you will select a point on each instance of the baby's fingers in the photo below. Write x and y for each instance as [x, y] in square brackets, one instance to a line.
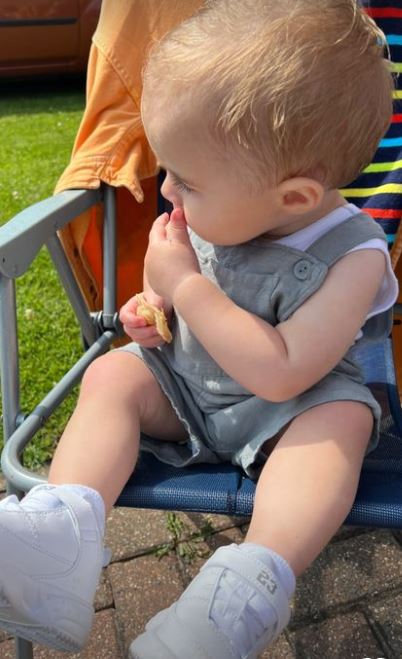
[131, 319]
[146, 336]
[158, 230]
[128, 314]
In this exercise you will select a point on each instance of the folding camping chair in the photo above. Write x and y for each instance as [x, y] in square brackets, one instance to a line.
[206, 488]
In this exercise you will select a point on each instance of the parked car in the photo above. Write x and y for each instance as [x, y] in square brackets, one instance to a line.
[46, 36]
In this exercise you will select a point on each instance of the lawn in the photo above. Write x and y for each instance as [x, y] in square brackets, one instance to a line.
[38, 123]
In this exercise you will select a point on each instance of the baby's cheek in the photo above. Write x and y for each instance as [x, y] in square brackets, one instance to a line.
[195, 209]
[199, 227]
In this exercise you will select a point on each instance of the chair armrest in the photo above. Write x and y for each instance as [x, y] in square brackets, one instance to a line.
[23, 236]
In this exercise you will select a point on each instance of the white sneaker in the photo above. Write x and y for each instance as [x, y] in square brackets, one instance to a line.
[50, 563]
[186, 628]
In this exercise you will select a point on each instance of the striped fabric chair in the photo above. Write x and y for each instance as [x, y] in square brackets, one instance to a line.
[378, 191]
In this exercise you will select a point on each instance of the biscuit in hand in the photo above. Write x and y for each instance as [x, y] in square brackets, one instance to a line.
[153, 316]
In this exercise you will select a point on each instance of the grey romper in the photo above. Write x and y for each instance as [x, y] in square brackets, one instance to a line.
[225, 422]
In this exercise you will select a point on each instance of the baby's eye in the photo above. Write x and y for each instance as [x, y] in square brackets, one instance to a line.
[183, 187]
[180, 185]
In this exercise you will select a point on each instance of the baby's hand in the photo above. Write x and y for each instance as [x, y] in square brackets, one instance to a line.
[170, 256]
[136, 327]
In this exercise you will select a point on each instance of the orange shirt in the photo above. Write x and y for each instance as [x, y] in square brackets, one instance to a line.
[111, 146]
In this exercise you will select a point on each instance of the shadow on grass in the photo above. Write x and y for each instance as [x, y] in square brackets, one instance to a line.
[42, 94]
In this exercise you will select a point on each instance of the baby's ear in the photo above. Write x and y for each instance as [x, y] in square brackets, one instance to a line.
[300, 195]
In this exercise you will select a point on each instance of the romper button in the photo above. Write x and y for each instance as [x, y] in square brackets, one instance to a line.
[301, 269]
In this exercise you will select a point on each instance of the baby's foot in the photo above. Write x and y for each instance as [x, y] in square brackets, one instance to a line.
[234, 587]
[50, 563]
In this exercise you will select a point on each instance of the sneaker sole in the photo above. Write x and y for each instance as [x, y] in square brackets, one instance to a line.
[69, 622]
[46, 636]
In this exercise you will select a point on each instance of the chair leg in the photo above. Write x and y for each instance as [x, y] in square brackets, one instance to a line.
[23, 649]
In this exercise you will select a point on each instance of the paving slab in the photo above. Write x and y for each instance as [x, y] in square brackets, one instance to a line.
[142, 587]
[131, 532]
[207, 548]
[197, 521]
[281, 649]
[386, 617]
[347, 571]
[346, 636]
[346, 532]
[103, 643]
[103, 595]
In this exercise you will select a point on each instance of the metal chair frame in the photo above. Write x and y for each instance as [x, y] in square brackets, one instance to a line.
[212, 488]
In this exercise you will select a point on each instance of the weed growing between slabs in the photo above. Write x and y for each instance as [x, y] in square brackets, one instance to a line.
[184, 544]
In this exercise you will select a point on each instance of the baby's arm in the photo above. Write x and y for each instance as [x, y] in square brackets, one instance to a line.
[277, 363]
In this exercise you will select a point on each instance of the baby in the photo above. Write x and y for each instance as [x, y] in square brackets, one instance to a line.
[259, 111]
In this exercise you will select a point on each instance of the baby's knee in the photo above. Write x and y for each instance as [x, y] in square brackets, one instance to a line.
[348, 424]
[114, 371]
[359, 419]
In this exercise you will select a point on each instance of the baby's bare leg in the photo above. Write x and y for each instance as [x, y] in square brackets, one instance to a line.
[51, 559]
[99, 447]
[309, 482]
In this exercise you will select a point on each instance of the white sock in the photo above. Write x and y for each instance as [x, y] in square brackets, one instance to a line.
[44, 497]
[239, 610]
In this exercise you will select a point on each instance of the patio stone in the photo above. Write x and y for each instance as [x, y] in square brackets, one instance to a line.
[142, 587]
[347, 571]
[207, 548]
[344, 636]
[134, 531]
[281, 649]
[104, 595]
[386, 616]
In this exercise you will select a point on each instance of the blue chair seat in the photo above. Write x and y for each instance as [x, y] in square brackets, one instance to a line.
[225, 489]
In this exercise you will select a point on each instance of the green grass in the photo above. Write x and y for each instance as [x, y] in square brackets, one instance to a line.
[38, 123]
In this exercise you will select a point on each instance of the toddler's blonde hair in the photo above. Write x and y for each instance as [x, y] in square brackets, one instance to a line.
[288, 87]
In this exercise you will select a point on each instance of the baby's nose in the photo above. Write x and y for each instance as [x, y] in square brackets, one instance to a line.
[168, 191]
